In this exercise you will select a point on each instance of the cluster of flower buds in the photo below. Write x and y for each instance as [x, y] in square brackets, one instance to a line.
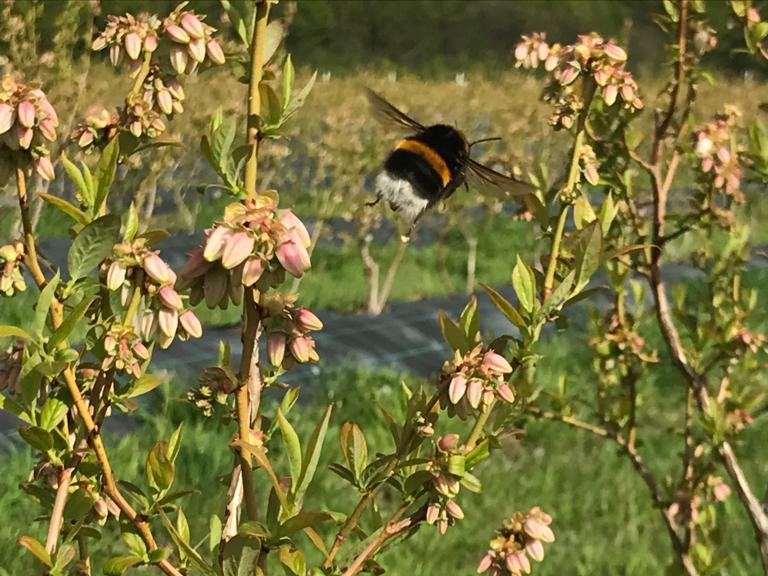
[474, 379]
[591, 56]
[251, 247]
[98, 127]
[520, 540]
[103, 506]
[713, 145]
[124, 350]
[289, 330]
[10, 368]
[216, 384]
[27, 122]
[164, 315]
[192, 40]
[12, 279]
[446, 466]
[131, 35]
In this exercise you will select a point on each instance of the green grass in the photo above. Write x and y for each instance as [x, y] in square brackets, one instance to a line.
[603, 518]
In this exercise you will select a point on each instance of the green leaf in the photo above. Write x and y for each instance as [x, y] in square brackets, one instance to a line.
[505, 307]
[289, 74]
[298, 101]
[7, 331]
[37, 549]
[146, 383]
[105, 173]
[312, 453]
[452, 334]
[292, 560]
[583, 213]
[470, 320]
[479, 453]
[39, 438]
[64, 556]
[261, 458]
[43, 305]
[524, 283]
[77, 313]
[160, 470]
[608, 212]
[135, 544]
[67, 208]
[182, 527]
[292, 446]
[130, 223]
[304, 519]
[53, 412]
[191, 553]
[240, 556]
[671, 9]
[588, 255]
[86, 193]
[271, 108]
[214, 532]
[92, 245]
[158, 555]
[119, 564]
[174, 445]
[273, 36]
[353, 447]
[471, 483]
[559, 295]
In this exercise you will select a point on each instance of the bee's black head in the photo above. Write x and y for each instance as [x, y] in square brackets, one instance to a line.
[450, 144]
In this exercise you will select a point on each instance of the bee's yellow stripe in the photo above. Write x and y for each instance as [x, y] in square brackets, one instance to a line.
[433, 158]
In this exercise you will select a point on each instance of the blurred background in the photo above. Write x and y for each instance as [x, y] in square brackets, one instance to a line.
[445, 61]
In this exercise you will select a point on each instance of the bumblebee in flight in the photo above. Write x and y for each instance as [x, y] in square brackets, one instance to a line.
[429, 165]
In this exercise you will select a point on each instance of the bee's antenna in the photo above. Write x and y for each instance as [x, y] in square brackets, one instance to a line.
[484, 140]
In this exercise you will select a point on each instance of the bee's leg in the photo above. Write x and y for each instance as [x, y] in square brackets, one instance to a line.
[407, 237]
[373, 202]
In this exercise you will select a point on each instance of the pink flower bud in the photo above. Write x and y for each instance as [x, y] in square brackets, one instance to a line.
[307, 321]
[443, 486]
[484, 564]
[449, 442]
[521, 51]
[454, 510]
[179, 59]
[609, 94]
[136, 128]
[165, 101]
[433, 513]
[615, 52]
[442, 525]
[25, 136]
[115, 54]
[276, 348]
[44, 168]
[86, 139]
[551, 62]
[132, 45]
[252, 271]
[215, 53]
[293, 224]
[192, 25]
[191, 324]
[177, 34]
[707, 163]
[517, 562]
[99, 44]
[196, 50]
[542, 51]
[47, 129]
[506, 394]
[157, 269]
[628, 93]
[238, 248]
[496, 363]
[300, 349]
[216, 242]
[721, 492]
[140, 350]
[150, 42]
[724, 154]
[474, 392]
[176, 90]
[536, 529]
[457, 388]
[168, 322]
[26, 113]
[170, 298]
[115, 276]
[148, 326]
[568, 75]
[535, 549]
[7, 117]
[293, 257]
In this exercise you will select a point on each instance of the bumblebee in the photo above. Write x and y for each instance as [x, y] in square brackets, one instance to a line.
[429, 165]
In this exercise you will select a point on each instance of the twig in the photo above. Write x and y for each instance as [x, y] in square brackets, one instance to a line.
[389, 279]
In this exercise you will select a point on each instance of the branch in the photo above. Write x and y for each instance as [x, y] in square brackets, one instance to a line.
[389, 279]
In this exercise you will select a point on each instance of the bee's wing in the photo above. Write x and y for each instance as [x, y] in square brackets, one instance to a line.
[388, 114]
[489, 180]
